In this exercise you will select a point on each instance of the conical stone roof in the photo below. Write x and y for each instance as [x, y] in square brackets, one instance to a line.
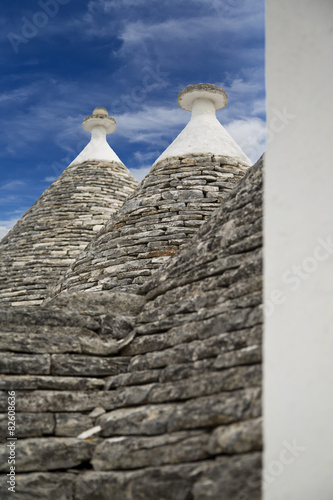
[158, 396]
[53, 232]
[186, 183]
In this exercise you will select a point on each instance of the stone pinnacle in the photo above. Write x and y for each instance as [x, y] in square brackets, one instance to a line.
[204, 134]
[99, 124]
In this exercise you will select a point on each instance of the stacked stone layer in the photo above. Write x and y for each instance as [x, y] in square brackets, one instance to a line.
[170, 378]
[166, 210]
[53, 232]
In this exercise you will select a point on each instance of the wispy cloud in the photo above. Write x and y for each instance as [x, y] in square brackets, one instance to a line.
[140, 173]
[152, 123]
[6, 226]
[50, 179]
[250, 135]
[95, 53]
[8, 186]
[144, 157]
[19, 95]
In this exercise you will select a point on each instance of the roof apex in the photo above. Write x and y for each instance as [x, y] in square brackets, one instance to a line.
[204, 134]
[99, 124]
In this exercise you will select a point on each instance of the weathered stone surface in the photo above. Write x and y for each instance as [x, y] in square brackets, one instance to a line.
[22, 364]
[31, 382]
[57, 401]
[53, 232]
[203, 384]
[61, 333]
[201, 412]
[72, 424]
[167, 483]
[193, 351]
[46, 316]
[241, 437]
[99, 303]
[134, 378]
[43, 454]
[121, 255]
[139, 452]
[75, 365]
[214, 410]
[29, 424]
[206, 384]
[43, 339]
[142, 420]
[41, 486]
[236, 478]
[185, 412]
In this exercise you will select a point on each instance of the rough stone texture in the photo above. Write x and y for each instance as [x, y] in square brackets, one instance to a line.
[232, 478]
[29, 424]
[164, 212]
[236, 438]
[40, 486]
[53, 232]
[137, 452]
[43, 454]
[170, 391]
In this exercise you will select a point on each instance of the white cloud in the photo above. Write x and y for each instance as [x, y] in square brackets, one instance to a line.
[259, 106]
[3, 231]
[19, 95]
[241, 86]
[140, 173]
[50, 179]
[250, 135]
[5, 226]
[109, 5]
[11, 185]
[188, 30]
[152, 123]
[144, 157]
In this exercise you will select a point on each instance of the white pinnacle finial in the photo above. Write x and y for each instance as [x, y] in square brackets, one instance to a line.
[99, 124]
[204, 134]
[194, 95]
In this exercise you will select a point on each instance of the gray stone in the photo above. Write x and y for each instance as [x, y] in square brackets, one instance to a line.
[31, 382]
[76, 365]
[60, 339]
[237, 478]
[21, 364]
[139, 452]
[46, 316]
[56, 401]
[182, 418]
[167, 483]
[99, 303]
[29, 424]
[153, 212]
[71, 424]
[201, 412]
[41, 486]
[36, 253]
[241, 437]
[43, 454]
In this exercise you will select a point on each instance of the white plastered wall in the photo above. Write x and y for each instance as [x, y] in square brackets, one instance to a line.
[298, 252]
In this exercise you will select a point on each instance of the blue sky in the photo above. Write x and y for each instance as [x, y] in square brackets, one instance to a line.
[62, 58]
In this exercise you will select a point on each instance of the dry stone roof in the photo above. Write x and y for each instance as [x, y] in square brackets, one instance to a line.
[169, 379]
[183, 188]
[53, 232]
[163, 213]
